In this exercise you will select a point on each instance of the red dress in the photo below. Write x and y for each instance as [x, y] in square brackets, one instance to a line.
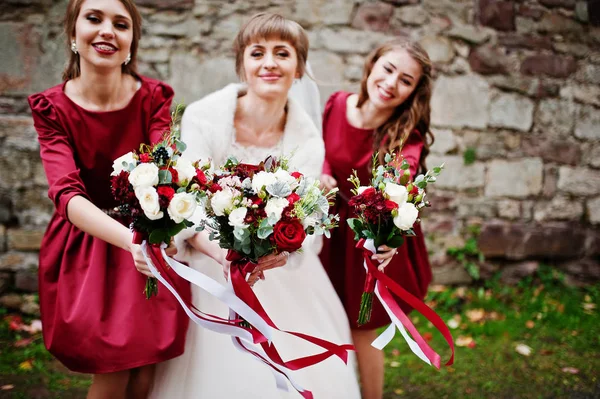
[348, 148]
[94, 313]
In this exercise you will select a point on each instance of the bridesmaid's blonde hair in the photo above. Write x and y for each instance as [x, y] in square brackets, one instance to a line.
[73, 70]
[270, 26]
[412, 114]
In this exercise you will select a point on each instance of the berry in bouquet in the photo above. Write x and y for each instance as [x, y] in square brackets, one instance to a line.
[257, 210]
[386, 211]
[157, 191]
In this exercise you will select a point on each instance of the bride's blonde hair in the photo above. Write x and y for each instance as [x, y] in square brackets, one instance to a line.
[270, 26]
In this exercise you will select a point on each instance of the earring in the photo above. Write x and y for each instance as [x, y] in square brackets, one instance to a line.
[127, 59]
[73, 46]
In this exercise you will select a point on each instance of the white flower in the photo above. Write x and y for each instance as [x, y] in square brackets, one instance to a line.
[406, 217]
[275, 206]
[262, 179]
[148, 198]
[222, 201]
[397, 193]
[185, 169]
[361, 189]
[182, 206]
[311, 221]
[118, 163]
[144, 175]
[284, 176]
[237, 216]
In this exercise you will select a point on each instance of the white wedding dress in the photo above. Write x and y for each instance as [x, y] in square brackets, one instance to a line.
[298, 297]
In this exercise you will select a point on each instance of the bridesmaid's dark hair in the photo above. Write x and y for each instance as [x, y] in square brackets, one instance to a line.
[72, 69]
[413, 114]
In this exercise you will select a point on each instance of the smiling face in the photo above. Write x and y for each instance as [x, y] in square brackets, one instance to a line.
[393, 79]
[270, 67]
[103, 33]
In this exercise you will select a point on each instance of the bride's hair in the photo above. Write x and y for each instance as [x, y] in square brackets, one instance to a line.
[270, 26]
[72, 69]
[413, 114]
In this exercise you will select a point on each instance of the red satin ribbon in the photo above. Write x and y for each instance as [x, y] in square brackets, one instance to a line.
[385, 285]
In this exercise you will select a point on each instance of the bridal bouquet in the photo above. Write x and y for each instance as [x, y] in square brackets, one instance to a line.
[386, 211]
[157, 191]
[256, 210]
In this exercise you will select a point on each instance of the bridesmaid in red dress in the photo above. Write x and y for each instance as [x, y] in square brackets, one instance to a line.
[390, 113]
[95, 316]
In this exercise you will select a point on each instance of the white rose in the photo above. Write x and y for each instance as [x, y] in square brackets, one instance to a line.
[185, 169]
[262, 179]
[148, 198]
[275, 206]
[406, 217]
[361, 189]
[118, 163]
[284, 176]
[222, 201]
[397, 193]
[144, 175]
[237, 216]
[182, 206]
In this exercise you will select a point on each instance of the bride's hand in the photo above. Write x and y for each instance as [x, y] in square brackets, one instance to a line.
[171, 250]
[328, 182]
[265, 263]
[384, 256]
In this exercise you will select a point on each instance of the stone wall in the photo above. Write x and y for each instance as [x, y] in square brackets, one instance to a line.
[517, 90]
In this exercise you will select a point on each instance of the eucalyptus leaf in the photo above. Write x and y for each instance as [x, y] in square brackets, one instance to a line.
[279, 189]
[263, 233]
[164, 177]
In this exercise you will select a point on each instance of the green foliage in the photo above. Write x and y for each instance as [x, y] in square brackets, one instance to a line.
[469, 156]
[469, 256]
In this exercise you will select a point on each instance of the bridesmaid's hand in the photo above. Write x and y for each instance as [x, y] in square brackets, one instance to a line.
[384, 256]
[138, 259]
[265, 263]
[328, 182]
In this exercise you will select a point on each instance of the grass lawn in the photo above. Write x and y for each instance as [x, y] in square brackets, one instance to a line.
[494, 328]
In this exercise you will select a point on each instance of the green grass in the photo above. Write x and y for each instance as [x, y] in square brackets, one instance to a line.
[540, 312]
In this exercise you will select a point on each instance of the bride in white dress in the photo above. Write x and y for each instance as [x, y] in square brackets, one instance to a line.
[252, 121]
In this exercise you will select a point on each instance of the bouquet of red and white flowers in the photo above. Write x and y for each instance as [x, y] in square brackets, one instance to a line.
[157, 191]
[386, 211]
[256, 210]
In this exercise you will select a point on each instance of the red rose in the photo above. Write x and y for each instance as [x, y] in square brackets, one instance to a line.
[214, 187]
[296, 175]
[145, 158]
[390, 205]
[288, 235]
[174, 175]
[293, 198]
[201, 176]
[166, 191]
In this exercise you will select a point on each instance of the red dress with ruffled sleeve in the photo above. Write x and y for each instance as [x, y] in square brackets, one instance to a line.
[94, 314]
[348, 148]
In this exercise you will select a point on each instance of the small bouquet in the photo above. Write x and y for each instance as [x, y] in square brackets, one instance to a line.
[386, 211]
[256, 210]
[157, 191]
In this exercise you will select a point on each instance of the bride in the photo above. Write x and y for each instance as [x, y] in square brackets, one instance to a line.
[251, 121]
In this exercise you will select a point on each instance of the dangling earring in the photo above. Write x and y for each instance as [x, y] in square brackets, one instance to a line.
[127, 59]
[73, 46]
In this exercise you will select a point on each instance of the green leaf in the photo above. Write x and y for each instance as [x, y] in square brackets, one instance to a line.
[264, 232]
[469, 156]
[405, 165]
[164, 177]
[396, 241]
[159, 235]
[175, 229]
[180, 145]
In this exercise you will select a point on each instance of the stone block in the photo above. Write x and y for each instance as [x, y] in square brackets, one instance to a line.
[30, 305]
[351, 41]
[26, 280]
[511, 111]
[589, 73]
[373, 16]
[579, 181]
[509, 209]
[24, 239]
[591, 155]
[593, 210]
[11, 301]
[532, 87]
[451, 274]
[499, 15]
[568, 4]
[411, 15]
[557, 23]
[445, 141]
[439, 48]
[559, 208]
[522, 241]
[517, 179]
[555, 118]
[532, 42]
[461, 101]
[516, 271]
[555, 66]
[560, 151]
[167, 4]
[456, 175]
[587, 123]
[327, 12]
[471, 34]
[585, 94]
[488, 60]
[13, 261]
[584, 270]
[328, 68]
[476, 207]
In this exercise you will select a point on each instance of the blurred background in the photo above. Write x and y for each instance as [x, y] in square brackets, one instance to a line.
[513, 232]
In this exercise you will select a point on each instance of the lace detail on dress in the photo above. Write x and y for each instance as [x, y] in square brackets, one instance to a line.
[253, 154]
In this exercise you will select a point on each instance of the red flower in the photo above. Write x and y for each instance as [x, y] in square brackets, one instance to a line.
[415, 190]
[296, 175]
[201, 176]
[214, 187]
[289, 235]
[166, 192]
[145, 158]
[390, 205]
[293, 198]
[244, 170]
[174, 175]
[121, 190]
